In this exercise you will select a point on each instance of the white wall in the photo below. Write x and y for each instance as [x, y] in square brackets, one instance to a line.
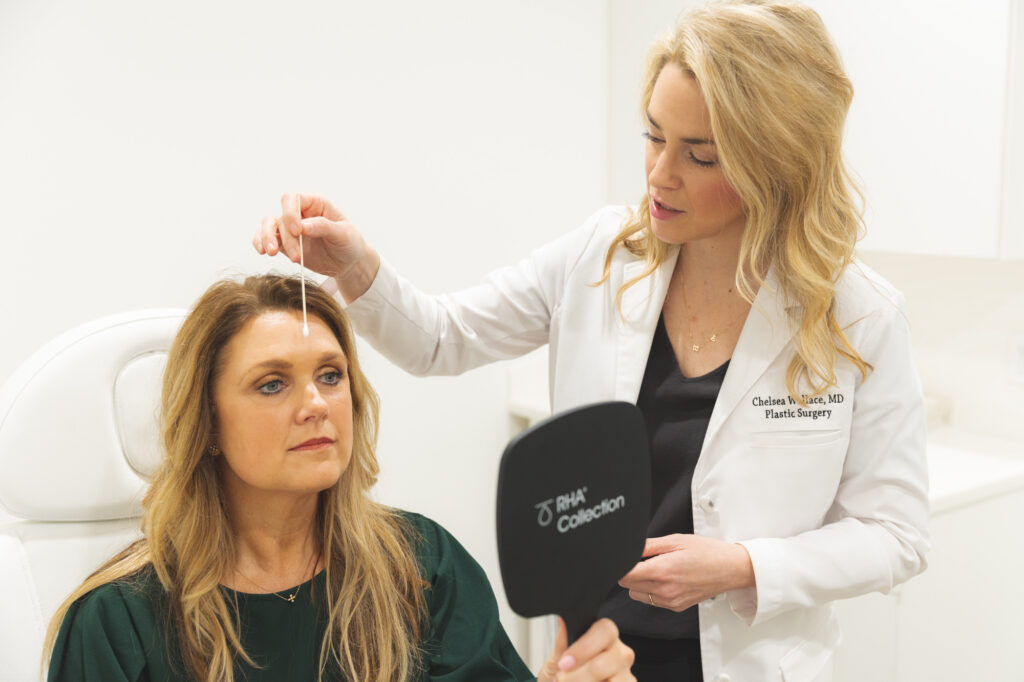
[142, 142]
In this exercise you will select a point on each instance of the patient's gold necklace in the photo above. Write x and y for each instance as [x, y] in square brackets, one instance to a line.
[291, 597]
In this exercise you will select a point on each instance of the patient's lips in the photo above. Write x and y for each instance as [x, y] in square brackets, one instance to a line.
[313, 444]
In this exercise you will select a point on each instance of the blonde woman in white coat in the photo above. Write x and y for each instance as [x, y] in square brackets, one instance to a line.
[775, 372]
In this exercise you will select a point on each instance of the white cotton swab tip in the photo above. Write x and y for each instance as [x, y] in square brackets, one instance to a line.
[302, 276]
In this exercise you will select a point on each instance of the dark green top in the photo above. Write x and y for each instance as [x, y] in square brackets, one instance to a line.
[117, 632]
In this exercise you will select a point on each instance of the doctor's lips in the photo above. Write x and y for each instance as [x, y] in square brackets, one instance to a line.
[312, 444]
[661, 211]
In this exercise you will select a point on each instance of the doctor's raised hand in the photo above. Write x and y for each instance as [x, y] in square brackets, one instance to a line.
[332, 244]
[774, 370]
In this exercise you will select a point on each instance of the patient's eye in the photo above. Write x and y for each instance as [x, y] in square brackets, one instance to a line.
[332, 377]
[271, 387]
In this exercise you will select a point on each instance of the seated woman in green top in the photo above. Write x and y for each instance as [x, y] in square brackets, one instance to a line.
[263, 556]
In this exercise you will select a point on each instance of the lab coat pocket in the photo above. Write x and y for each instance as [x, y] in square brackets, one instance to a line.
[813, 659]
[796, 439]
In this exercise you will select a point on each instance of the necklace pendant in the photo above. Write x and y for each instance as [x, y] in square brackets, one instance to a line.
[291, 597]
[696, 348]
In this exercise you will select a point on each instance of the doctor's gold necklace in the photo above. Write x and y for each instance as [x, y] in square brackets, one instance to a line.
[689, 327]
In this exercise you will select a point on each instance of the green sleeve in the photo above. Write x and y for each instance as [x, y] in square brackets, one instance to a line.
[98, 641]
[465, 640]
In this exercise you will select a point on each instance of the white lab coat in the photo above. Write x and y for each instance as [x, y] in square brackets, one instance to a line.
[830, 502]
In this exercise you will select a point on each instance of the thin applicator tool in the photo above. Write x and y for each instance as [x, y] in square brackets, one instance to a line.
[302, 276]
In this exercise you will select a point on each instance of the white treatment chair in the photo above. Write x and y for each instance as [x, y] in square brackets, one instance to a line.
[78, 437]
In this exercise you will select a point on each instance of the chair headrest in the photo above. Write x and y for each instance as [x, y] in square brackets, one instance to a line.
[79, 420]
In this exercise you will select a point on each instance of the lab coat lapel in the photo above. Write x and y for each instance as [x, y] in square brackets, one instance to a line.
[641, 308]
[765, 334]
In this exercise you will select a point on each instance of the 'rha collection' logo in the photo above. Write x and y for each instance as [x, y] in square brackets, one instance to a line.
[571, 515]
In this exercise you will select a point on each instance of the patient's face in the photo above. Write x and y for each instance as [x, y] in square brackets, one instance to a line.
[284, 410]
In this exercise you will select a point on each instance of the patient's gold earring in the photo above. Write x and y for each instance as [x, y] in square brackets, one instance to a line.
[213, 450]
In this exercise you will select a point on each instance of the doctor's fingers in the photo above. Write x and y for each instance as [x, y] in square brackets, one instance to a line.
[663, 544]
[281, 233]
[272, 239]
[295, 207]
[289, 224]
[647, 583]
[653, 570]
[663, 599]
[266, 241]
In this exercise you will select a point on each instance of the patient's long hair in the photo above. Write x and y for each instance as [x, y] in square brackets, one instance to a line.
[374, 590]
[777, 96]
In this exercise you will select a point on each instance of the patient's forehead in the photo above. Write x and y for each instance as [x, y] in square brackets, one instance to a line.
[276, 337]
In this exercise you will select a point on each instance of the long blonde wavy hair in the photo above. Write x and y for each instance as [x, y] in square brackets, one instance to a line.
[777, 96]
[374, 593]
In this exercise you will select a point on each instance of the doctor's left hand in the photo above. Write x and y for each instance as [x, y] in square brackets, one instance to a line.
[683, 570]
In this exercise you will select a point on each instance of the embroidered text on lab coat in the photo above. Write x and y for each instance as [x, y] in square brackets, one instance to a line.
[786, 407]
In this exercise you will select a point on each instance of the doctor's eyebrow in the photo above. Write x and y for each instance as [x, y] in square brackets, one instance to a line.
[687, 140]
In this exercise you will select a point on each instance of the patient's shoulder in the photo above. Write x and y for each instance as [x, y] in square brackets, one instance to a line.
[421, 527]
[108, 631]
[437, 550]
[426, 536]
[129, 602]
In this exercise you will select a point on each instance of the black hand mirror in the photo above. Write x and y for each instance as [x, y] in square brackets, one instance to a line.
[574, 497]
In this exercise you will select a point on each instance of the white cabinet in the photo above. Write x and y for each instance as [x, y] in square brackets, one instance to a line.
[929, 126]
[960, 619]
[935, 132]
